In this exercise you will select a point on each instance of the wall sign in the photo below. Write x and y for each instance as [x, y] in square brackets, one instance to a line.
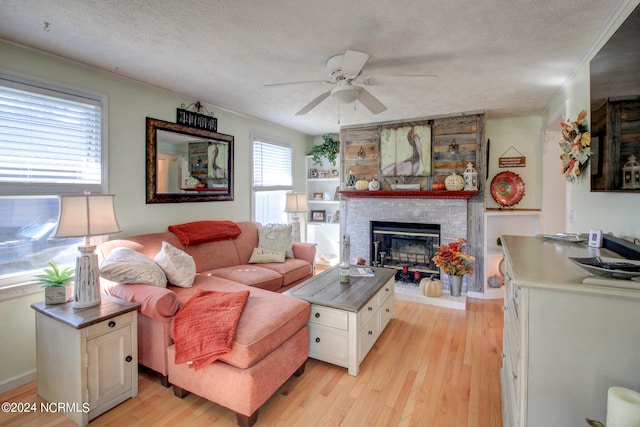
[195, 118]
[512, 161]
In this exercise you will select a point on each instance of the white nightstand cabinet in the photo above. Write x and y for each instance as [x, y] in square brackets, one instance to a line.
[87, 359]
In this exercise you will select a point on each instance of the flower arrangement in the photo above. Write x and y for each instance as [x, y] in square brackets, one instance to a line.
[452, 260]
[576, 147]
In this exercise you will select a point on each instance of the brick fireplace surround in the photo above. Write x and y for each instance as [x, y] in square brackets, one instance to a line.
[451, 214]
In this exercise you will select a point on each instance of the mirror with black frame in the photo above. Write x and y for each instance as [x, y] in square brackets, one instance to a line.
[186, 164]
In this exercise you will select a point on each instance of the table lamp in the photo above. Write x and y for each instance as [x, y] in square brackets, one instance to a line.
[296, 203]
[85, 216]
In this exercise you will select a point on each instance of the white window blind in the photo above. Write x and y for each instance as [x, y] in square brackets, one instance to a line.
[50, 142]
[272, 168]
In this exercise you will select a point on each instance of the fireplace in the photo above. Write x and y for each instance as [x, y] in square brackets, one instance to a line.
[407, 247]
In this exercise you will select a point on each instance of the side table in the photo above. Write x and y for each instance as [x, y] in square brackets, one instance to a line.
[87, 358]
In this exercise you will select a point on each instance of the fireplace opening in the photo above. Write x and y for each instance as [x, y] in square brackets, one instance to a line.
[406, 247]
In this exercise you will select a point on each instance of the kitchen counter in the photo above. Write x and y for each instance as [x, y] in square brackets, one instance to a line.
[540, 262]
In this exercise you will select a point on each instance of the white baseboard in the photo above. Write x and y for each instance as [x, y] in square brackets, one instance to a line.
[17, 381]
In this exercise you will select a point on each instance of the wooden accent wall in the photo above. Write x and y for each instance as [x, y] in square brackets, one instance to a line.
[468, 133]
[366, 140]
[467, 130]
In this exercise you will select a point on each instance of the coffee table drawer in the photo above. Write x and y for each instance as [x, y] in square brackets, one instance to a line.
[328, 344]
[368, 336]
[368, 311]
[386, 291]
[329, 317]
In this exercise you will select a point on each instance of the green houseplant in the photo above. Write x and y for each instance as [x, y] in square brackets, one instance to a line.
[328, 149]
[55, 282]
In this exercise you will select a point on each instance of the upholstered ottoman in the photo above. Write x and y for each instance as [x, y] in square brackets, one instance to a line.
[271, 345]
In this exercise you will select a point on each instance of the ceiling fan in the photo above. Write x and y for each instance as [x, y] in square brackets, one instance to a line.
[345, 73]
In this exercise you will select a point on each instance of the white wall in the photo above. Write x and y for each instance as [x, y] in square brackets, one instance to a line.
[129, 104]
[611, 212]
[509, 137]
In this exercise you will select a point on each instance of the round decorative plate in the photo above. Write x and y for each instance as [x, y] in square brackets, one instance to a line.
[507, 188]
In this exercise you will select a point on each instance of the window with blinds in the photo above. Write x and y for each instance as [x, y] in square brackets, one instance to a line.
[272, 179]
[50, 142]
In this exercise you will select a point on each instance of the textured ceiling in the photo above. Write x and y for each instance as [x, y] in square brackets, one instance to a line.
[507, 57]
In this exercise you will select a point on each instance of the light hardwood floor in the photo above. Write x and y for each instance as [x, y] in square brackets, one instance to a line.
[432, 366]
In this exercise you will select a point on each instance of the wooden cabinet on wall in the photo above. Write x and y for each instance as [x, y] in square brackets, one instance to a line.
[615, 126]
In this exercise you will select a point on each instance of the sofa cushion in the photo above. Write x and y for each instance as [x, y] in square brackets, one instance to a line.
[276, 236]
[205, 231]
[148, 244]
[251, 275]
[292, 270]
[124, 265]
[212, 255]
[178, 265]
[262, 255]
[268, 319]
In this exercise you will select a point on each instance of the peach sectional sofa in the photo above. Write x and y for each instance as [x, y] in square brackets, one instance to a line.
[271, 341]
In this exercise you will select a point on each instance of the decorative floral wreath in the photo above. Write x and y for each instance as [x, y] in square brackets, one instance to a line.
[576, 147]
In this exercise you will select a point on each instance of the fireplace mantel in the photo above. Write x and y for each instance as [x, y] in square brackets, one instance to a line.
[409, 194]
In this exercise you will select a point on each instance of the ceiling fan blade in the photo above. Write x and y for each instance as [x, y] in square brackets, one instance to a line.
[410, 81]
[370, 101]
[353, 62]
[310, 106]
[271, 85]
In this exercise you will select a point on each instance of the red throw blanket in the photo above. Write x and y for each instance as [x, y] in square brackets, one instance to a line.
[205, 328]
[205, 231]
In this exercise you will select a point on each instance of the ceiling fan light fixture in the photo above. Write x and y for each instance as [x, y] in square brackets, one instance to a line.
[345, 94]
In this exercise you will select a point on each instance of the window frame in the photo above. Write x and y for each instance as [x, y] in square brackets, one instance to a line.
[272, 141]
[17, 284]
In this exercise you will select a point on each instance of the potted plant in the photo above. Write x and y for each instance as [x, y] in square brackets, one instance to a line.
[328, 149]
[55, 282]
[452, 261]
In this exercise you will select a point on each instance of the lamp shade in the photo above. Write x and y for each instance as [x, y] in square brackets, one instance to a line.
[87, 215]
[296, 202]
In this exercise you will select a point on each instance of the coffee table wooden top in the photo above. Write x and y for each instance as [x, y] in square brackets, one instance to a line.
[325, 289]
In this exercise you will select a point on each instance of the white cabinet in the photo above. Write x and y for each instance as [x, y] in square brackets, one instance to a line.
[564, 342]
[497, 222]
[323, 221]
[87, 358]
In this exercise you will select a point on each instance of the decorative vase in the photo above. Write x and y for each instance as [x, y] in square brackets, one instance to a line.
[455, 285]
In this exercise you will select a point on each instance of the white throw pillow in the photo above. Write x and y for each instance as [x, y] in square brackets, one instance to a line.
[261, 255]
[276, 236]
[178, 265]
[125, 265]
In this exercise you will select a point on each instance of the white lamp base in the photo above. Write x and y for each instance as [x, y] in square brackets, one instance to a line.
[295, 229]
[86, 292]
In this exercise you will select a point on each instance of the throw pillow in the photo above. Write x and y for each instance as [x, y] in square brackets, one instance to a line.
[125, 265]
[178, 265]
[276, 236]
[261, 255]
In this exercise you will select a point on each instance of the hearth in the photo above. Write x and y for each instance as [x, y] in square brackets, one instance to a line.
[406, 247]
